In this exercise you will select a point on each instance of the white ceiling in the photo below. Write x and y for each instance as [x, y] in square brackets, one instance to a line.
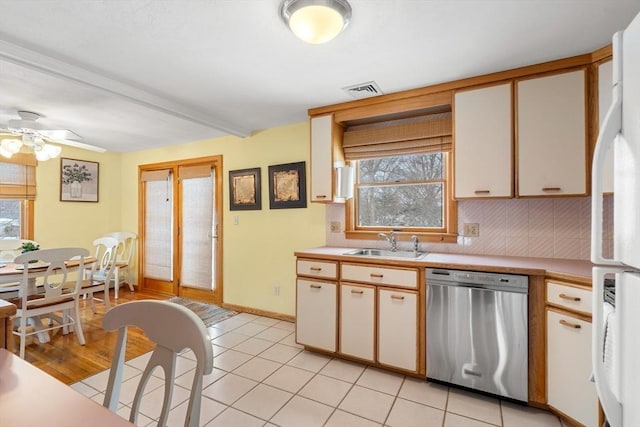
[134, 74]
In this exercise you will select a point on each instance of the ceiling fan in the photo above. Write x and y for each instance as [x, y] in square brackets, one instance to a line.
[26, 131]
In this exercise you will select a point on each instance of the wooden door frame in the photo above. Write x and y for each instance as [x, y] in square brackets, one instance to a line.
[174, 289]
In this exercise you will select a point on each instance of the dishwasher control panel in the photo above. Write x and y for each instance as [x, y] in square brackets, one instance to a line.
[477, 278]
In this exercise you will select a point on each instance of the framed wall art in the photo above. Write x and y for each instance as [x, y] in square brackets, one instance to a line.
[287, 186]
[244, 190]
[78, 180]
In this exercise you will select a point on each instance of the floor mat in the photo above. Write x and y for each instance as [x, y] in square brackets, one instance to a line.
[209, 313]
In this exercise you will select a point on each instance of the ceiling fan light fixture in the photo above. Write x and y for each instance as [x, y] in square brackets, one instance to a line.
[316, 21]
[11, 145]
[52, 150]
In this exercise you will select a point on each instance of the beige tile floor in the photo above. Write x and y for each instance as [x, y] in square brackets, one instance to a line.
[261, 377]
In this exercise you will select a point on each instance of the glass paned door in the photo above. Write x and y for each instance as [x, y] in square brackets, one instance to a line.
[197, 232]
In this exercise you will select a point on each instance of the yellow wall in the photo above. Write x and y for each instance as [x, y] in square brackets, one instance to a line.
[258, 252]
[77, 224]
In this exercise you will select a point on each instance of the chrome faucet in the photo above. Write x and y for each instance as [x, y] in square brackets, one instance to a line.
[414, 240]
[391, 238]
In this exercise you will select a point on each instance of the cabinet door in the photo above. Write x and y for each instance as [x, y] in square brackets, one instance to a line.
[483, 142]
[551, 144]
[357, 319]
[316, 314]
[605, 95]
[398, 328]
[325, 156]
[569, 368]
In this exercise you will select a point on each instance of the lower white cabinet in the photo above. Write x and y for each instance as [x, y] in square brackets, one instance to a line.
[398, 328]
[316, 314]
[357, 321]
[569, 389]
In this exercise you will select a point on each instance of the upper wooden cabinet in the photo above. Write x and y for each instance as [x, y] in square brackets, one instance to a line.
[551, 135]
[325, 155]
[483, 145]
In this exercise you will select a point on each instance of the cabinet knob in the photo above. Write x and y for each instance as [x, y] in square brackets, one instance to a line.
[569, 297]
[315, 286]
[357, 292]
[398, 297]
[321, 196]
[569, 324]
[482, 192]
[551, 188]
[315, 268]
[377, 275]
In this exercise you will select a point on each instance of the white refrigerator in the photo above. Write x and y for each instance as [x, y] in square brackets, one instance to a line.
[616, 327]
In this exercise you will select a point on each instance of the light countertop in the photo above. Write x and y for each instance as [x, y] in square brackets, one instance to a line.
[574, 270]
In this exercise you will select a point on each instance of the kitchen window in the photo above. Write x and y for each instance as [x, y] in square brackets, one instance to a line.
[402, 182]
[17, 195]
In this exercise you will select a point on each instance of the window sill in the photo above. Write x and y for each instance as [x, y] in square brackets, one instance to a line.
[404, 236]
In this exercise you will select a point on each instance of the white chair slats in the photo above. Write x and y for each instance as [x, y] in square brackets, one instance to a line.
[101, 272]
[126, 248]
[55, 294]
[173, 328]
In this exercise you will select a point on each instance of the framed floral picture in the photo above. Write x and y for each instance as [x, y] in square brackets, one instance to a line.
[244, 190]
[287, 186]
[78, 180]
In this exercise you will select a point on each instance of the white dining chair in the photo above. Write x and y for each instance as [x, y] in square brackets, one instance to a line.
[97, 278]
[55, 294]
[126, 248]
[173, 328]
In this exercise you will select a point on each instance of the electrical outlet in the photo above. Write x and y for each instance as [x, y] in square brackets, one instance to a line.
[335, 226]
[236, 220]
[471, 229]
[276, 290]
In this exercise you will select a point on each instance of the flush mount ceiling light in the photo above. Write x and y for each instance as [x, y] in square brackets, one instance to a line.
[316, 21]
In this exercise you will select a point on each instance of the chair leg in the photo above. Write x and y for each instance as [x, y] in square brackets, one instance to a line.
[91, 303]
[106, 295]
[116, 282]
[129, 279]
[76, 323]
[23, 335]
[65, 321]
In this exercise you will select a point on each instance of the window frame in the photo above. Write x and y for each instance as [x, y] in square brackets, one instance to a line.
[446, 234]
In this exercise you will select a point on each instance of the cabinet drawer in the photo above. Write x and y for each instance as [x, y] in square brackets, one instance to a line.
[570, 297]
[323, 269]
[407, 278]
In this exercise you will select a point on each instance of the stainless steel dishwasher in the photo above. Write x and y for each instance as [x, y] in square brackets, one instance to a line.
[477, 331]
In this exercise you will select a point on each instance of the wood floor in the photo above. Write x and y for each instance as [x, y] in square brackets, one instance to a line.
[70, 362]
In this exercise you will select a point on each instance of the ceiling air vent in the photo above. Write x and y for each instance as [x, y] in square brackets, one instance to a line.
[363, 90]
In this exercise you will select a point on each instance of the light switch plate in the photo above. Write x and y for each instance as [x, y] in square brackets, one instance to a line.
[335, 226]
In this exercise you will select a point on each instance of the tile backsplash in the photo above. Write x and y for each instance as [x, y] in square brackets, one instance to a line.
[546, 227]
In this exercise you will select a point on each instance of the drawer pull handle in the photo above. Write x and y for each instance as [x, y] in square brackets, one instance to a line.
[569, 297]
[569, 324]
[356, 292]
[321, 196]
[377, 275]
[398, 297]
[551, 188]
[315, 268]
[482, 191]
[315, 286]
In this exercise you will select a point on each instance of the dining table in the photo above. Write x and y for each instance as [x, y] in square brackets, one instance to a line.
[29, 397]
